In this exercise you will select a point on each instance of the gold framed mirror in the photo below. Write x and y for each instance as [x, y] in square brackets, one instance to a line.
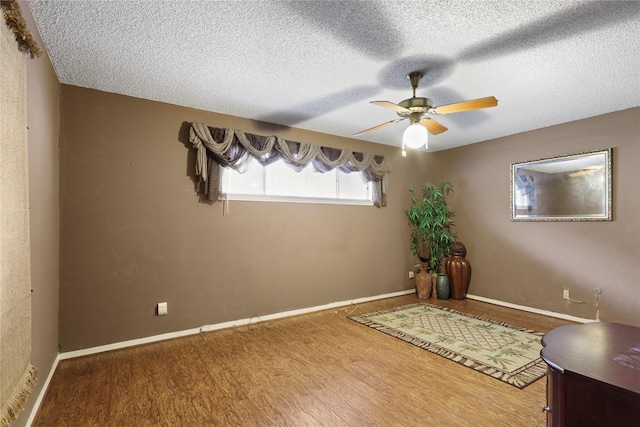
[575, 187]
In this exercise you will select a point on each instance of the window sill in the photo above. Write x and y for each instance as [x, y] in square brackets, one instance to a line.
[294, 199]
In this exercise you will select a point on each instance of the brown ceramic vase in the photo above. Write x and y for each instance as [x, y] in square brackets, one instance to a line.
[424, 287]
[458, 269]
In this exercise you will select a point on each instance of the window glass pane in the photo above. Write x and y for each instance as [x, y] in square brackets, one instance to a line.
[522, 200]
[280, 182]
[321, 184]
[352, 186]
[251, 182]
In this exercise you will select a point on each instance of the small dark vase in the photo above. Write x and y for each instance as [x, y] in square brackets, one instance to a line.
[442, 286]
[458, 269]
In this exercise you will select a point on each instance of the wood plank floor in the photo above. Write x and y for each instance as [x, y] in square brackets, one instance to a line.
[319, 369]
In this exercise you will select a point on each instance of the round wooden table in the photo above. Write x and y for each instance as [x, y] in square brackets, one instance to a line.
[593, 375]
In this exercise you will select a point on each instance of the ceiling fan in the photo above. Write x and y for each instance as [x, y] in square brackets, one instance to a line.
[418, 110]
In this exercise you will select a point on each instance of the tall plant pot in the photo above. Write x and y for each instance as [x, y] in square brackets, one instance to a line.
[458, 269]
[424, 287]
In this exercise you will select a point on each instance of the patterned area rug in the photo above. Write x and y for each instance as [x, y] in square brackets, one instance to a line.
[498, 349]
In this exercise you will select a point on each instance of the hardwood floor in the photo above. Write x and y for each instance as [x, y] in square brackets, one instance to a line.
[318, 369]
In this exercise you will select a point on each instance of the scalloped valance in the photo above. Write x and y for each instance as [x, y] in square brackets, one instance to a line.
[234, 149]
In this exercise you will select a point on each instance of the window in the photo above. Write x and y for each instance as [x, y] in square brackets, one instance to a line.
[279, 182]
[522, 201]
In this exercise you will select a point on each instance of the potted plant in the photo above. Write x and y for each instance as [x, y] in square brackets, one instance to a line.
[431, 222]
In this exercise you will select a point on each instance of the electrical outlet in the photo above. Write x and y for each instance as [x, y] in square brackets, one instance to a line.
[412, 275]
[161, 310]
[565, 294]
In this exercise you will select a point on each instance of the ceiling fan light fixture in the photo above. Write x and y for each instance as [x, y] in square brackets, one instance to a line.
[416, 109]
[415, 136]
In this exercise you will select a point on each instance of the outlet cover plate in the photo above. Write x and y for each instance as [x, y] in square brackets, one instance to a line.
[162, 309]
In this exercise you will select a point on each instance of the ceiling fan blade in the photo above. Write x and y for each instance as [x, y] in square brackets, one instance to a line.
[378, 127]
[391, 106]
[432, 126]
[475, 104]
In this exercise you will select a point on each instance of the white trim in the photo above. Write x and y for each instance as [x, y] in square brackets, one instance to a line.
[129, 343]
[532, 310]
[224, 325]
[294, 199]
[258, 319]
[302, 311]
[43, 391]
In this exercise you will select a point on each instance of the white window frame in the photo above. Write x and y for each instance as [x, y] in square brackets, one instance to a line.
[234, 194]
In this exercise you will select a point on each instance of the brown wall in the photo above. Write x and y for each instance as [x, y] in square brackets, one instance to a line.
[529, 263]
[133, 232]
[43, 122]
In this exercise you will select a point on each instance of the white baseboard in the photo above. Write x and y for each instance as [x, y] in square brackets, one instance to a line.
[224, 325]
[258, 319]
[531, 310]
[43, 391]
[129, 343]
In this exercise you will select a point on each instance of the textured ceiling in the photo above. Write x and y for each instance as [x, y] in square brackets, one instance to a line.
[316, 65]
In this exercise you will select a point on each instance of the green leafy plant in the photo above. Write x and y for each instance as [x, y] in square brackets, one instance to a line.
[431, 222]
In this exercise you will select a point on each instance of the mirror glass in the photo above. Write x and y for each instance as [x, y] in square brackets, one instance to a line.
[575, 187]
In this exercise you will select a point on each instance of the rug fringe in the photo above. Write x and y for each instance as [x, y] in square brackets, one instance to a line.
[20, 394]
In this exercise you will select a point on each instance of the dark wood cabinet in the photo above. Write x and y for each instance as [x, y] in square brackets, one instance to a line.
[593, 375]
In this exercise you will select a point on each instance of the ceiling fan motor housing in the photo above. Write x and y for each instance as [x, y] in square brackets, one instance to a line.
[417, 108]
